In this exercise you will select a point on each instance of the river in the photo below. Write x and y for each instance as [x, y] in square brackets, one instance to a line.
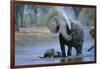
[27, 51]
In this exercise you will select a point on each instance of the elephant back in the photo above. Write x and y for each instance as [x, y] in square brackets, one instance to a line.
[77, 32]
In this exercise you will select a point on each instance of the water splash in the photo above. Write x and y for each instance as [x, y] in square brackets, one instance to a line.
[62, 13]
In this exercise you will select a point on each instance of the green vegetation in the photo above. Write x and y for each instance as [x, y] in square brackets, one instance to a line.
[27, 15]
[87, 16]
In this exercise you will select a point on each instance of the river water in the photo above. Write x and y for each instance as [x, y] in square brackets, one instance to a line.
[27, 51]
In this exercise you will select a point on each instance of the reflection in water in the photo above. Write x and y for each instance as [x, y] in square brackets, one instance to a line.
[71, 60]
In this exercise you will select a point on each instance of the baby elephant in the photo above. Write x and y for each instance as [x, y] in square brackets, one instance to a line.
[51, 53]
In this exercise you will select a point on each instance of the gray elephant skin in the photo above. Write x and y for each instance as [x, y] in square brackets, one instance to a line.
[51, 53]
[73, 37]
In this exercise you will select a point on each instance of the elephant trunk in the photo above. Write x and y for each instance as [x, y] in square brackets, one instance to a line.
[66, 36]
[64, 32]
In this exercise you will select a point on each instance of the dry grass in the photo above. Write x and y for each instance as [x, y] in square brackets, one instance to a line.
[34, 35]
[35, 30]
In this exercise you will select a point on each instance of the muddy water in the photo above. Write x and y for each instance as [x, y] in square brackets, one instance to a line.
[28, 52]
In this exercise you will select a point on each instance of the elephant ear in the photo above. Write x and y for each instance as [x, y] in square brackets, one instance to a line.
[53, 26]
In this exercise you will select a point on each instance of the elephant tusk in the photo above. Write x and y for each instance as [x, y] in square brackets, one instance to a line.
[65, 35]
[68, 38]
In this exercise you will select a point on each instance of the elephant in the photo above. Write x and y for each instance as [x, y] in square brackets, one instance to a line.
[92, 33]
[57, 54]
[51, 53]
[72, 36]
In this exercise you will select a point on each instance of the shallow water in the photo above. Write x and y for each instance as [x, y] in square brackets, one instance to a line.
[28, 52]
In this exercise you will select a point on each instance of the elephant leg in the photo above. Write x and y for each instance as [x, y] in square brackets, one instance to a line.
[63, 50]
[62, 46]
[69, 51]
[79, 50]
